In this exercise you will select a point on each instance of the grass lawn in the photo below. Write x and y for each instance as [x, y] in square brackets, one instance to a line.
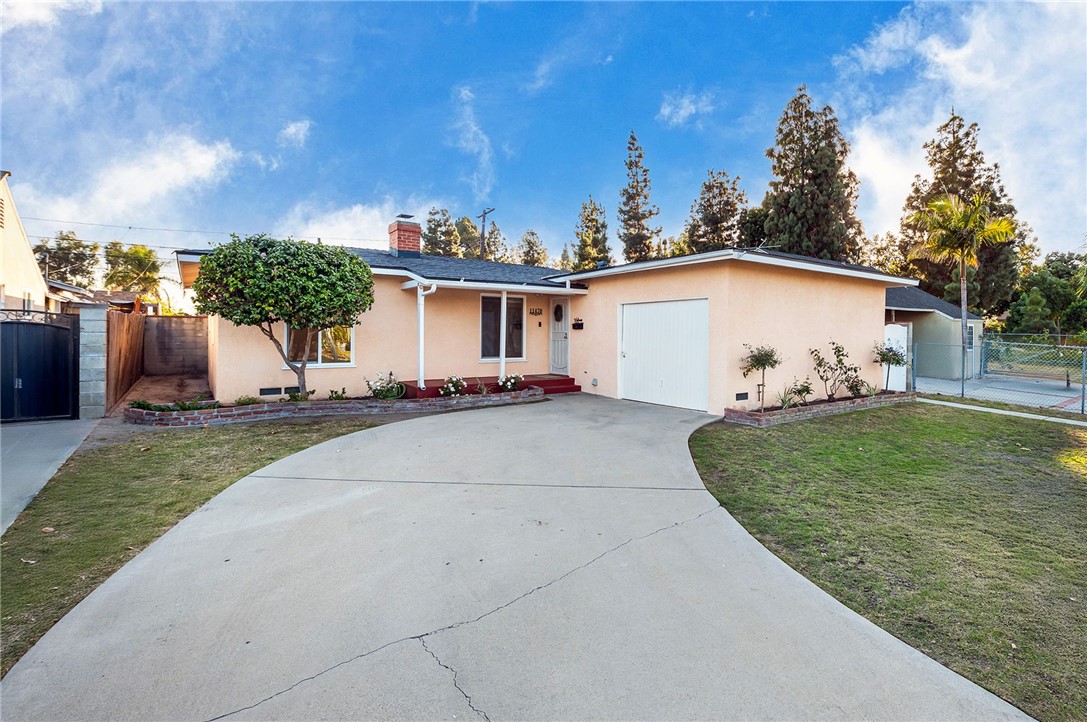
[106, 504]
[962, 533]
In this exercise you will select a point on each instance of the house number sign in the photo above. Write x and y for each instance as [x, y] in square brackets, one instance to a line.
[535, 312]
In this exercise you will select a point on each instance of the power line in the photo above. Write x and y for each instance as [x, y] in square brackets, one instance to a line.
[190, 230]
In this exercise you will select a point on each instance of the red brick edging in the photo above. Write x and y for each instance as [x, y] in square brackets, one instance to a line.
[280, 409]
[797, 413]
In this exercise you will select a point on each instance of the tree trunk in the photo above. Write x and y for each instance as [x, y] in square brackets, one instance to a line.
[962, 292]
[299, 369]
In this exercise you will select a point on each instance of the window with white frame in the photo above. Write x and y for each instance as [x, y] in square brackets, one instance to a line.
[490, 327]
[969, 336]
[328, 347]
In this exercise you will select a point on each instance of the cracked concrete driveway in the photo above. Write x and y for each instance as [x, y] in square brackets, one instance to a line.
[560, 560]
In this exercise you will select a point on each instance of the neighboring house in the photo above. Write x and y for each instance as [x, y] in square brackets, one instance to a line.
[934, 332]
[669, 331]
[126, 302]
[21, 284]
[68, 296]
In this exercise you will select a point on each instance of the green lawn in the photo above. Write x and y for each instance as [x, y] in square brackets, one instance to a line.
[962, 533]
[106, 504]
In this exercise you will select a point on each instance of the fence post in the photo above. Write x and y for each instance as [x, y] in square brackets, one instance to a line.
[1083, 382]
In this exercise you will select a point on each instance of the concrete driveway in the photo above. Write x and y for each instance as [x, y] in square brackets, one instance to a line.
[560, 560]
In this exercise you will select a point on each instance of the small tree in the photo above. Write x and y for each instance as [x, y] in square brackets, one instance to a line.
[888, 355]
[759, 359]
[261, 281]
[68, 259]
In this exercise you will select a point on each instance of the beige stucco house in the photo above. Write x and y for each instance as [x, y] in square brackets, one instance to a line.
[669, 331]
[21, 284]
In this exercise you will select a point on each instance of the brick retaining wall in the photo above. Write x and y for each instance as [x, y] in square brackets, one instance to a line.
[797, 413]
[281, 409]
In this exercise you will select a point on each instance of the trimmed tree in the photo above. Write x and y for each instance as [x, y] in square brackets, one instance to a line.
[759, 359]
[635, 211]
[263, 282]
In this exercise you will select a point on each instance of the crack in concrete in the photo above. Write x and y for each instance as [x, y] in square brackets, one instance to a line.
[465, 622]
[467, 697]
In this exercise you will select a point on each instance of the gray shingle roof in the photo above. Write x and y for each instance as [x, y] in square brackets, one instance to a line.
[914, 299]
[441, 268]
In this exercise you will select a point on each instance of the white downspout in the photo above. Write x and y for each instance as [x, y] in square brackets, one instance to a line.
[502, 338]
[420, 296]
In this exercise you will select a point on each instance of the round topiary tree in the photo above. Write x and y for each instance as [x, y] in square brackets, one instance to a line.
[261, 281]
[759, 359]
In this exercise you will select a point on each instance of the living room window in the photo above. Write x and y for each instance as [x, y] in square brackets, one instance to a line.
[330, 347]
[490, 327]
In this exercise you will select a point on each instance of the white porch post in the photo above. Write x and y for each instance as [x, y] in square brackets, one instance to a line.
[420, 296]
[502, 338]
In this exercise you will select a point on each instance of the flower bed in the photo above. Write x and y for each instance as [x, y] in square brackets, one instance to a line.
[815, 410]
[280, 409]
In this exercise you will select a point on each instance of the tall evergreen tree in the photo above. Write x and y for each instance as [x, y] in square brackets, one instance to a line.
[566, 261]
[753, 226]
[469, 237]
[891, 254]
[1034, 316]
[497, 249]
[958, 168]
[812, 201]
[531, 251]
[953, 290]
[635, 211]
[592, 237]
[715, 217]
[440, 237]
[68, 259]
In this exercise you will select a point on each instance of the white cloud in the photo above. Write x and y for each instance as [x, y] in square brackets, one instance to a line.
[471, 139]
[153, 183]
[18, 14]
[678, 108]
[294, 134]
[1016, 69]
[360, 225]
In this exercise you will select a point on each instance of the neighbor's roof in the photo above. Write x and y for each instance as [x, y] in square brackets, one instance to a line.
[426, 269]
[753, 255]
[914, 299]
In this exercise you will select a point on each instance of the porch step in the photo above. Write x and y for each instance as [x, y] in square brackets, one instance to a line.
[567, 389]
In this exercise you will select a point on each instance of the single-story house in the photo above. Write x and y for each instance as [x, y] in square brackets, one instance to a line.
[934, 332]
[669, 331]
[22, 286]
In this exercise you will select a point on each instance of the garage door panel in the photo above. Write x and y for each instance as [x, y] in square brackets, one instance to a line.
[665, 353]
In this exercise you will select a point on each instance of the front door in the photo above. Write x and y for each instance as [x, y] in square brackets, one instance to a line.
[560, 336]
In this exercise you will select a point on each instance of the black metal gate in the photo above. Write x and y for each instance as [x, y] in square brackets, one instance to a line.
[39, 366]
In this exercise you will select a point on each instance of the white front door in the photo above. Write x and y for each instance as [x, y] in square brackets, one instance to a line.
[664, 353]
[560, 336]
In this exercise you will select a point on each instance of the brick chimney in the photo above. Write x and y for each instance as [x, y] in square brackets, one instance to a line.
[404, 237]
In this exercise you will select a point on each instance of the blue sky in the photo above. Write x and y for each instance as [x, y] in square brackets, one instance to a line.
[326, 120]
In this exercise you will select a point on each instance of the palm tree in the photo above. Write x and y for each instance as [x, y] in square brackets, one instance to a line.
[956, 230]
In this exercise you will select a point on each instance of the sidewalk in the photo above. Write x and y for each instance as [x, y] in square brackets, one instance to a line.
[30, 454]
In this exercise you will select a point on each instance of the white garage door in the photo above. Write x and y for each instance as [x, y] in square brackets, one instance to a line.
[664, 355]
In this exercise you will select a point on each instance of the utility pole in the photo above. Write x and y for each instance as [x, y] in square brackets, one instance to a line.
[483, 233]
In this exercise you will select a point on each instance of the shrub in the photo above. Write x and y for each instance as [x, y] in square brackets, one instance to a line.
[148, 406]
[482, 388]
[247, 401]
[511, 382]
[454, 386]
[340, 395]
[385, 387]
[300, 395]
[801, 390]
[837, 374]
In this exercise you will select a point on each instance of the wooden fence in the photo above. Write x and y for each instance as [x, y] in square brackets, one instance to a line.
[124, 354]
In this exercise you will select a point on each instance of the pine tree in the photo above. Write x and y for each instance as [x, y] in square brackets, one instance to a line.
[531, 252]
[673, 246]
[635, 211]
[440, 237]
[812, 201]
[715, 217]
[958, 168]
[753, 226]
[469, 237]
[953, 290]
[592, 237]
[566, 262]
[497, 249]
[1036, 317]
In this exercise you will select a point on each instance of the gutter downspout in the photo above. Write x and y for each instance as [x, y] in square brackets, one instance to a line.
[420, 296]
[502, 338]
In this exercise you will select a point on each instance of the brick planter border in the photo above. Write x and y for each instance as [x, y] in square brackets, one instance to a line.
[799, 413]
[285, 409]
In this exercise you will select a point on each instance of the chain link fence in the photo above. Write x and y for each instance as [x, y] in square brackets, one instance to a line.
[1023, 370]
